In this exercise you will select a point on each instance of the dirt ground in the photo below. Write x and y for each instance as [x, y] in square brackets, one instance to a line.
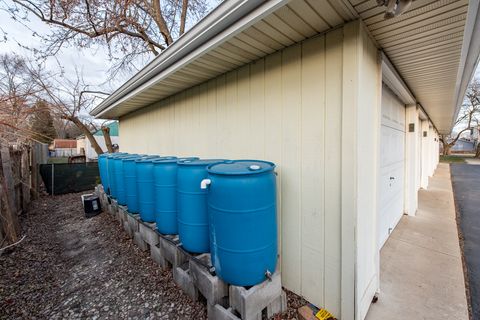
[72, 267]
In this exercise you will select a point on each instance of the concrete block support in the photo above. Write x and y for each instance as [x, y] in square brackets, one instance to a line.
[122, 215]
[211, 287]
[171, 251]
[278, 305]
[250, 302]
[218, 312]
[149, 232]
[183, 278]
[138, 240]
[127, 229]
[157, 256]
[133, 221]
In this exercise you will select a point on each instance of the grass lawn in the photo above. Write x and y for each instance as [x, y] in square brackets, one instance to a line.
[58, 160]
[460, 158]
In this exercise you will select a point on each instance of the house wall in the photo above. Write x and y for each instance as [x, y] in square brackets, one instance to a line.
[81, 145]
[312, 109]
[64, 152]
[90, 153]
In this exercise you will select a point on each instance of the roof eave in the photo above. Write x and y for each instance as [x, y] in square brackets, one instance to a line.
[214, 25]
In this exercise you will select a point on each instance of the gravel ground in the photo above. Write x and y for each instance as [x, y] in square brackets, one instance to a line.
[72, 267]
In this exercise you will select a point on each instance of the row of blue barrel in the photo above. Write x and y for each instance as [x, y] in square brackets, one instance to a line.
[224, 207]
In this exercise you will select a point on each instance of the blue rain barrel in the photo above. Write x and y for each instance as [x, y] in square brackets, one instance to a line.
[111, 172]
[165, 176]
[243, 224]
[192, 214]
[146, 188]
[118, 176]
[130, 181]
[102, 167]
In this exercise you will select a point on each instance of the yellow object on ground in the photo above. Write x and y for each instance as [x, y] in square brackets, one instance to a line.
[323, 314]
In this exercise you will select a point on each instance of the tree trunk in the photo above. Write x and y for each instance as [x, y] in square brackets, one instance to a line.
[87, 134]
[108, 139]
[447, 150]
[446, 147]
[477, 153]
[183, 16]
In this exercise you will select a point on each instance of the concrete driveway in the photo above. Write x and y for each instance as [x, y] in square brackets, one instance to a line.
[466, 186]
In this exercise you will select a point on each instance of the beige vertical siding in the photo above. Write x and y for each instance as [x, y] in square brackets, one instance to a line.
[285, 108]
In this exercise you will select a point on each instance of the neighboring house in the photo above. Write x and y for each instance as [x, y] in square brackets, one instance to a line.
[347, 104]
[464, 146]
[63, 148]
[85, 147]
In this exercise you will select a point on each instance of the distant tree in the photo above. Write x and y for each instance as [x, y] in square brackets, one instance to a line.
[42, 127]
[468, 118]
[129, 29]
[17, 92]
[66, 129]
[68, 100]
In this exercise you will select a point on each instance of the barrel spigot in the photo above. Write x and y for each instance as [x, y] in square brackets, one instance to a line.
[205, 183]
[268, 274]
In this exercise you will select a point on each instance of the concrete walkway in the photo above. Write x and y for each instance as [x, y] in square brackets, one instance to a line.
[421, 273]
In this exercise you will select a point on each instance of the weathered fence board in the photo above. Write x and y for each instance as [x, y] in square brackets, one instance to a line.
[16, 179]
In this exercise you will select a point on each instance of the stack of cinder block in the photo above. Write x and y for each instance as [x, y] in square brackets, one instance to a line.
[193, 274]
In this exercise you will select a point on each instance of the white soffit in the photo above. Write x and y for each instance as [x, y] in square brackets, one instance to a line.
[425, 46]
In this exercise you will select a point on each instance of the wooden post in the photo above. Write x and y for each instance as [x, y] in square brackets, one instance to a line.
[25, 179]
[7, 190]
[1, 224]
[8, 175]
[34, 171]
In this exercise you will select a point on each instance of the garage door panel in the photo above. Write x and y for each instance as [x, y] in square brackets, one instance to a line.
[392, 165]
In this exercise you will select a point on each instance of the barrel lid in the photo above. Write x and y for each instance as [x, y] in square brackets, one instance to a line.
[164, 160]
[147, 159]
[198, 162]
[241, 167]
[116, 154]
[141, 157]
[126, 156]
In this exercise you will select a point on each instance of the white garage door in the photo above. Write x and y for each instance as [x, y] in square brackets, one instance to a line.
[392, 165]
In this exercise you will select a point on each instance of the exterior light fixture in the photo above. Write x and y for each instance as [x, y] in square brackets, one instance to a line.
[394, 7]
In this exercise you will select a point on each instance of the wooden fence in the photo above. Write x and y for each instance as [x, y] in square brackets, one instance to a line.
[19, 183]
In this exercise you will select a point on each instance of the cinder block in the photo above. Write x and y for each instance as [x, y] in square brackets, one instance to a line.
[133, 221]
[111, 210]
[157, 256]
[210, 286]
[137, 239]
[127, 228]
[121, 214]
[171, 252]
[278, 305]
[219, 312]
[149, 232]
[182, 277]
[249, 302]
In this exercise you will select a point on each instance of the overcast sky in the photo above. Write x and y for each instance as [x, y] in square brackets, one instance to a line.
[93, 63]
